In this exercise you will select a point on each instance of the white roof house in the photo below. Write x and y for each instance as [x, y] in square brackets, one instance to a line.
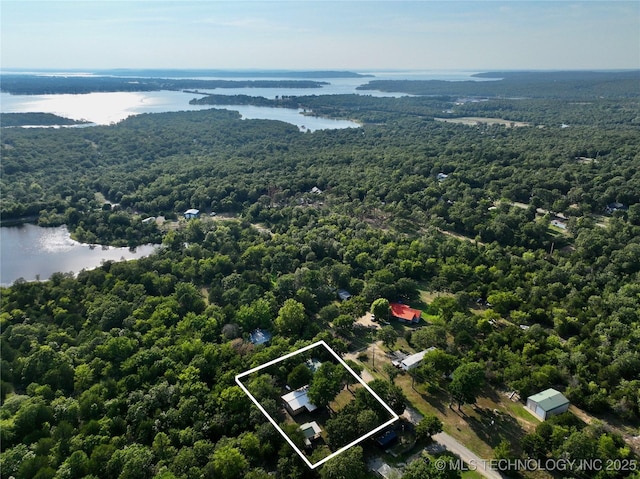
[297, 401]
[191, 213]
[414, 360]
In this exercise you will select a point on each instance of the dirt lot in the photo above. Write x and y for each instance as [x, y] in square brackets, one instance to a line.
[367, 321]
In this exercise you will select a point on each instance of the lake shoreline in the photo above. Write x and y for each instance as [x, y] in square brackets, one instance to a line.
[34, 253]
[23, 220]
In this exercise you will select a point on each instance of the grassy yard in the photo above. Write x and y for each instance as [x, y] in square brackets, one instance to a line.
[480, 427]
[428, 296]
[472, 475]
[343, 398]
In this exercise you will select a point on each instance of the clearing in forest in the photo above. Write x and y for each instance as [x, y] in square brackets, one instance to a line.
[476, 120]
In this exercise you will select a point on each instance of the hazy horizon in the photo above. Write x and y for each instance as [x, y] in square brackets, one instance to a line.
[320, 35]
[87, 70]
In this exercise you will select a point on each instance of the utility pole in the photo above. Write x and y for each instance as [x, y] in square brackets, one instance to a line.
[373, 356]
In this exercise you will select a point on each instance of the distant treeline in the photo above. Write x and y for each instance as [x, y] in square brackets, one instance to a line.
[40, 85]
[376, 110]
[565, 85]
[233, 74]
[40, 119]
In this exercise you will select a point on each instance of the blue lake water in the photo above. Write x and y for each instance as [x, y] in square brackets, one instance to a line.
[34, 253]
[107, 108]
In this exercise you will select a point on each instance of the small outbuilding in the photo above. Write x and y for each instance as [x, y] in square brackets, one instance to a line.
[615, 206]
[383, 470]
[343, 294]
[311, 431]
[547, 403]
[387, 440]
[191, 213]
[413, 361]
[260, 336]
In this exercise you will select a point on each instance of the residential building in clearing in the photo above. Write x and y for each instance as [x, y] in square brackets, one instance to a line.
[297, 401]
[404, 313]
[191, 213]
[547, 403]
[413, 361]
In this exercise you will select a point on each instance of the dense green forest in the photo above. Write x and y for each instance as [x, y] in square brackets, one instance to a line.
[128, 370]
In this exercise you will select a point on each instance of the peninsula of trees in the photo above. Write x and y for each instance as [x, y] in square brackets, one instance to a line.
[20, 84]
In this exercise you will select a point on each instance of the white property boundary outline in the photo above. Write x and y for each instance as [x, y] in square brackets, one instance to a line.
[394, 416]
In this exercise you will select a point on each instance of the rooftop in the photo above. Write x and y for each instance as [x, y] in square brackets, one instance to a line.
[416, 358]
[549, 399]
[313, 364]
[405, 312]
[260, 336]
[298, 399]
[310, 430]
[387, 439]
[343, 294]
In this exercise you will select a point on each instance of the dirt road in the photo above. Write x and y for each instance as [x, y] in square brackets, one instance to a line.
[474, 462]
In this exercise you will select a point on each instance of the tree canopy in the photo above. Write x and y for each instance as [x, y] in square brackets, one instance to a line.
[128, 370]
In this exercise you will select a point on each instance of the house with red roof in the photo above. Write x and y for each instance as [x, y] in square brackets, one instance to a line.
[402, 312]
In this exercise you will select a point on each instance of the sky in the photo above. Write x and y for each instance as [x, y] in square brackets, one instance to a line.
[358, 35]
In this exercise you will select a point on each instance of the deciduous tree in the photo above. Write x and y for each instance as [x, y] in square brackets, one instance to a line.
[228, 463]
[428, 426]
[388, 336]
[467, 382]
[326, 384]
[348, 465]
[291, 317]
[380, 308]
